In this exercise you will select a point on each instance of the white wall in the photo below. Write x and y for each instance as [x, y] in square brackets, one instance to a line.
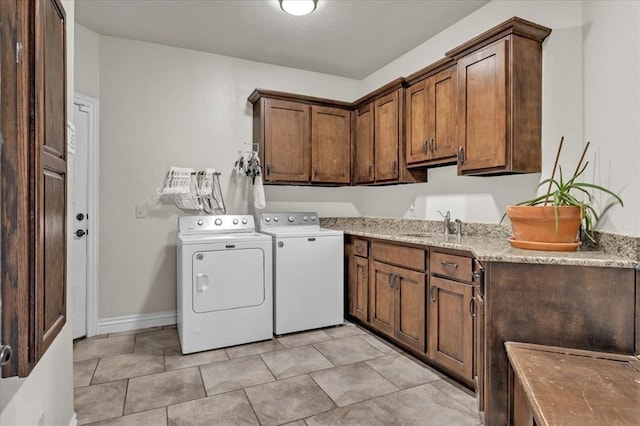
[160, 107]
[46, 395]
[87, 65]
[612, 106]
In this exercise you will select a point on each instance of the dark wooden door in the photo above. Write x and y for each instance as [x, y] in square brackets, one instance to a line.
[330, 145]
[410, 308]
[387, 137]
[361, 288]
[443, 117]
[482, 105]
[451, 326]
[416, 100]
[382, 304]
[287, 141]
[364, 145]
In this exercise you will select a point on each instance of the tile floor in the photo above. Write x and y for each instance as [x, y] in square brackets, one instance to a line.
[336, 376]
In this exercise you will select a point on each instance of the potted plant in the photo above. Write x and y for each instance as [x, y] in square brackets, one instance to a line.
[552, 221]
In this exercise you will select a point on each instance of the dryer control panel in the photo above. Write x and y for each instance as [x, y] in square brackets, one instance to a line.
[215, 224]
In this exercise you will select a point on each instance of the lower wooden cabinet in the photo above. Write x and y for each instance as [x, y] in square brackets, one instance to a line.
[451, 326]
[359, 283]
[397, 305]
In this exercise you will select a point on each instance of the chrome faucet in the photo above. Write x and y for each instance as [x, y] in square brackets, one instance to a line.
[447, 219]
[458, 228]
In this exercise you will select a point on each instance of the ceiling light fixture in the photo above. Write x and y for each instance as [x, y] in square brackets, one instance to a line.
[298, 7]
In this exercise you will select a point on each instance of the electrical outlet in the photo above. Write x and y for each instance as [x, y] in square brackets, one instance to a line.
[141, 212]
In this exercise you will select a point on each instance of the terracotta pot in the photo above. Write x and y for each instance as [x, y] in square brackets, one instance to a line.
[538, 223]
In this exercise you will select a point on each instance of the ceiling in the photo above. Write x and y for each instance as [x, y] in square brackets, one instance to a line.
[349, 38]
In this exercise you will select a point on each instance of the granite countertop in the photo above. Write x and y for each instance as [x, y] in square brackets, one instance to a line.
[489, 248]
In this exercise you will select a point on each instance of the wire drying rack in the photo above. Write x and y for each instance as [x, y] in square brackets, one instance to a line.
[194, 191]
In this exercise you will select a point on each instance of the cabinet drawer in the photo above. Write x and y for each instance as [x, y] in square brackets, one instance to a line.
[450, 265]
[360, 247]
[392, 254]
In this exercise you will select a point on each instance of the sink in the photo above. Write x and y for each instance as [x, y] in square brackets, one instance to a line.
[418, 234]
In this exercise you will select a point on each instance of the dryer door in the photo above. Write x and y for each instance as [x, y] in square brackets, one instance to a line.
[228, 279]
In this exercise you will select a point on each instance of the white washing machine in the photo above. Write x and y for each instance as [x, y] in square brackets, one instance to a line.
[308, 277]
[225, 292]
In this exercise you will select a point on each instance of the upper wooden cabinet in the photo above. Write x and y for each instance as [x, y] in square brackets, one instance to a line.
[379, 138]
[500, 99]
[430, 115]
[302, 139]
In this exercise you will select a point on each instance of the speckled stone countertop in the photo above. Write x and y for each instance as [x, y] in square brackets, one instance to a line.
[484, 242]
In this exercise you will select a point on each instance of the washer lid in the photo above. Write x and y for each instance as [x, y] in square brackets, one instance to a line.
[302, 231]
[211, 238]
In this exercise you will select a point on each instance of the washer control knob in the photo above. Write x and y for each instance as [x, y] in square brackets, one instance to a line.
[291, 218]
[218, 222]
[200, 222]
[305, 218]
[244, 221]
[267, 219]
[313, 218]
[235, 221]
[276, 218]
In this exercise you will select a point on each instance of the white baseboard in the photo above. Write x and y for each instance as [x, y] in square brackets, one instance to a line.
[135, 322]
[74, 420]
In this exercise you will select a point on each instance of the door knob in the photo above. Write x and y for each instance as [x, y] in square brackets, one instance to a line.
[80, 233]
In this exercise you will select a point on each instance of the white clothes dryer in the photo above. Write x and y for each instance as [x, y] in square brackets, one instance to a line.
[308, 275]
[225, 292]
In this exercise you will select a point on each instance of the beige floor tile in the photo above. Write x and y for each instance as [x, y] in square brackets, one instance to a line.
[140, 330]
[426, 402]
[83, 372]
[348, 350]
[231, 408]
[457, 392]
[156, 340]
[403, 372]
[342, 331]
[295, 361]
[363, 413]
[288, 400]
[254, 348]
[296, 423]
[129, 365]
[158, 390]
[97, 348]
[304, 338]
[173, 358]
[225, 376]
[379, 344]
[157, 417]
[99, 402]
[352, 383]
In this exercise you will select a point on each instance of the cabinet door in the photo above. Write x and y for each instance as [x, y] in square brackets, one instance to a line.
[387, 136]
[443, 119]
[410, 308]
[478, 349]
[363, 145]
[361, 288]
[451, 326]
[330, 145]
[416, 100]
[286, 141]
[382, 304]
[482, 105]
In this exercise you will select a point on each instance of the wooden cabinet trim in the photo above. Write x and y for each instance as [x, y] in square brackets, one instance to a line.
[257, 94]
[429, 70]
[385, 90]
[515, 25]
[399, 255]
[360, 247]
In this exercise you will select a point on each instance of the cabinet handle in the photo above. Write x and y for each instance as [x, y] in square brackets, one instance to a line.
[394, 167]
[472, 307]
[370, 169]
[424, 147]
[449, 264]
[461, 155]
[432, 294]
[315, 171]
[359, 249]
[433, 145]
[390, 280]
[268, 169]
[396, 281]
